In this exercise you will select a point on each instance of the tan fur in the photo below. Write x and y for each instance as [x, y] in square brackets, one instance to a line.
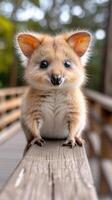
[54, 111]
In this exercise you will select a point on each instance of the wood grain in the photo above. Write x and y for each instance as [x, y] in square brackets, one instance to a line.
[106, 167]
[10, 104]
[9, 131]
[12, 91]
[51, 172]
[11, 152]
[104, 100]
[9, 118]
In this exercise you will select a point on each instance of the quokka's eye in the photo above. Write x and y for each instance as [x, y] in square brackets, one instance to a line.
[44, 64]
[67, 64]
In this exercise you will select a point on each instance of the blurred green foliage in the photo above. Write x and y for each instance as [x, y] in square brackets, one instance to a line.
[6, 32]
[49, 16]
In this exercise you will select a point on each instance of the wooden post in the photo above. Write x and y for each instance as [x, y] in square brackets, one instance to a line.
[107, 61]
[106, 154]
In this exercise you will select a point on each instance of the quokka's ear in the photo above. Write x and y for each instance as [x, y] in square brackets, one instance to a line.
[80, 42]
[27, 43]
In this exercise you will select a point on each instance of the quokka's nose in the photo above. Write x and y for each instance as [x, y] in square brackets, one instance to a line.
[56, 79]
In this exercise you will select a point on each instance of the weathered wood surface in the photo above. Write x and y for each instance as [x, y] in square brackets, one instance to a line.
[9, 118]
[10, 104]
[99, 135]
[106, 170]
[9, 131]
[11, 152]
[12, 91]
[51, 172]
[10, 100]
[104, 100]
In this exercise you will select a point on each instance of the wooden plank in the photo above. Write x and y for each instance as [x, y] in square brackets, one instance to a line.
[106, 142]
[9, 118]
[11, 152]
[96, 169]
[104, 100]
[107, 129]
[106, 179]
[9, 131]
[107, 170]
[12, 91]
[51, 172]
[10, 104]
[95, 143]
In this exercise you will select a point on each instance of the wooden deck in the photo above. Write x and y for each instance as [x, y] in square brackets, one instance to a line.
[10, 154]
[51, 172]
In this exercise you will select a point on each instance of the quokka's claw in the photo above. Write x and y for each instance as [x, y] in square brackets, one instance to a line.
[70, 142]
[80, 141]
[73, 142]
[38, 141]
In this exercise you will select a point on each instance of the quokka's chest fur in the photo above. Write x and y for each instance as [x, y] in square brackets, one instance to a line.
[54, 109]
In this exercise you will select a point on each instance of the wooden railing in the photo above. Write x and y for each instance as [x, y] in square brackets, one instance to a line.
[10, 101]
[100, 137]
[99, 145]
[50, 172]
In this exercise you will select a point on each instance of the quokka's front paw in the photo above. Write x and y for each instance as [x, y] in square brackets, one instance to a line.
[80, 141]
[74, 141]
[70, 142]
[39, 141]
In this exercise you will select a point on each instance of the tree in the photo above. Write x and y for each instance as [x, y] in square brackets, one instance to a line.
[107, 61]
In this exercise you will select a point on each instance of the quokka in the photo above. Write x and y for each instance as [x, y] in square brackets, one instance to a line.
[54, 105]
